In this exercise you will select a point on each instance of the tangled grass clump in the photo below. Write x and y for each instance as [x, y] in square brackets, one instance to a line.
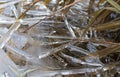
[60, 38]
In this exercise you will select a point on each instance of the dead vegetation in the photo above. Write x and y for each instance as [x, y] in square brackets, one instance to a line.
[60, 38]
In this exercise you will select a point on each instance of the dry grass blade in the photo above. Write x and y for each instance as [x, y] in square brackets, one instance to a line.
[23, 14]
[91, 22]
[117, 6]
[106, 26]
[112, 9]
[47, 2]
[101, 1]
[103, 53]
